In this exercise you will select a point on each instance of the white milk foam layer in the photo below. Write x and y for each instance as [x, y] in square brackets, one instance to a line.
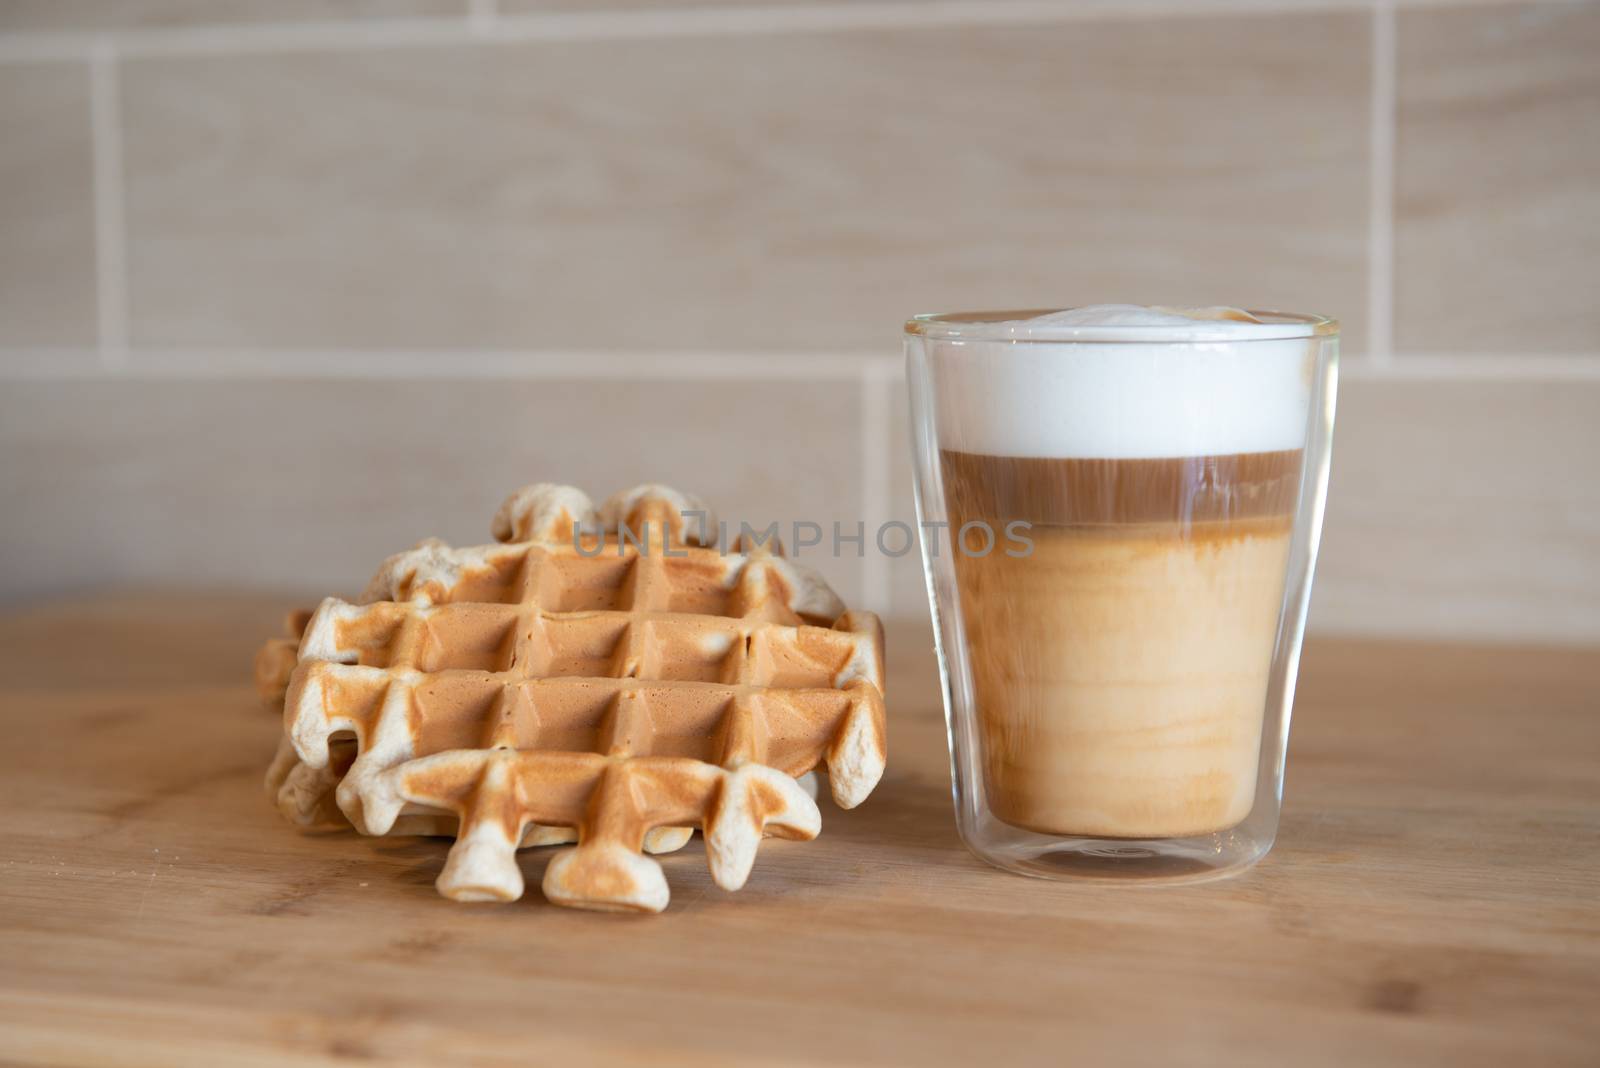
[1133, 383]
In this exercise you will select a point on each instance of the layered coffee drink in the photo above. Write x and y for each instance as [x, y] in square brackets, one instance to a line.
[1119, 662]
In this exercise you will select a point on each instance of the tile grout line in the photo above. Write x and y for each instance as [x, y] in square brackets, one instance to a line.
[443, 364]
[1380, 235]
[484, 22]
[110, 245]
[469, 365]
[876, 485]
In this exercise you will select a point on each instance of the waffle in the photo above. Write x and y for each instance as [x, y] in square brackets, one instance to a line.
[607, 673]
[276, 658]
[305, 795]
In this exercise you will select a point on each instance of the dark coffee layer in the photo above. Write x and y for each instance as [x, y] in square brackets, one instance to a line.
[1184, 490]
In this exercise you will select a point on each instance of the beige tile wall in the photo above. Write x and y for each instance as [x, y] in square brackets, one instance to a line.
[1497, 221]
[619, 190]
[47, 256]
[18, 16]
[285, 287]
[307, 484]
[1464, 507]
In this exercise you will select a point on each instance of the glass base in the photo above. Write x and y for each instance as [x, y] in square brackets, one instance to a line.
[1150, 861]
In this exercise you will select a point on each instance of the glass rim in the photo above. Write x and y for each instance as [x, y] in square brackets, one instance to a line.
[1011, 326]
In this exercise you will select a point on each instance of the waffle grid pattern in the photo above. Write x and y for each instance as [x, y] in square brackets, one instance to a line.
[630, 691]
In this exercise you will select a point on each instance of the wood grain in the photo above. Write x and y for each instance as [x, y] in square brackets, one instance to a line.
[1431, 899]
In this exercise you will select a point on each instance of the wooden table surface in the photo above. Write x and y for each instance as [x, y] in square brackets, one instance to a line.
[1434, 896]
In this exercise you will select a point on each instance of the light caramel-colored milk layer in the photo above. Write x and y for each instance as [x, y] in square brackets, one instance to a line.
[1121, 668]
[1121, 679]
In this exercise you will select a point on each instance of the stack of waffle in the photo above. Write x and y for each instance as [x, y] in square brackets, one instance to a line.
[605, 677]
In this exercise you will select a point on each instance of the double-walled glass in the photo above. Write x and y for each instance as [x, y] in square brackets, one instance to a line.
[1119, 527]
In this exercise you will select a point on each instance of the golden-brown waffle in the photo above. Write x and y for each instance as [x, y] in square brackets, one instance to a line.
[629, 688]
[305, 795]
[276, 658]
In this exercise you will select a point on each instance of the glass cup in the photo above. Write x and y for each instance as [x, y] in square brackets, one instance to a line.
[1119, 526]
